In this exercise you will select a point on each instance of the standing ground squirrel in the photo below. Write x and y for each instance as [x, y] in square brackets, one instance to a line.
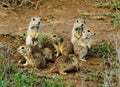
[33, 31]
[35, 60]
[61, 45]
[77, 29]
[81, 46]
[65, 63]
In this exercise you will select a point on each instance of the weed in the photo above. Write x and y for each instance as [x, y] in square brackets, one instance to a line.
[24, 80]
[103, 4]
[118, 57]
[112, 69]
[85, 15]
[43, 39]
[116, 4]
[54, 28]
[113, 4]
[94, 76]
[102, 50]
[16, 3]
[116, 19]
[55, 82]
[11, 76]
[100, 17]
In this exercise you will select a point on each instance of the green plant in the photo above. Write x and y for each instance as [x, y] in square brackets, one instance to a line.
[15, 3]
[10, 76]
[21, 80]
[116, 19]
[43, 37]
[116, 4]
[113, 4]
[103, 4]
[101, 50]
[94, 76]
[112, 68]
[55, 82]
[54, 28]
[44, 40]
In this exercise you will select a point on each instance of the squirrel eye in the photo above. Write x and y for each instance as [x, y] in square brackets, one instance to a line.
[88, 30]
[22, 48]
[76, 29]
[39, 22]
[77, 21]
[33, 19]
[54, 35]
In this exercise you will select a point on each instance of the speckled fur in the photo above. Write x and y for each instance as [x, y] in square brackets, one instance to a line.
[77, 30]
[61, 45]
[81, 46]
[65, 63]
[35, 60]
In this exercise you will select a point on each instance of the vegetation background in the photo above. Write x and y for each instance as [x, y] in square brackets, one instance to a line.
[102, 68]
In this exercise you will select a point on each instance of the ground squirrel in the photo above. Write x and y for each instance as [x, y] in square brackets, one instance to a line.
[35, 60]
[81, 46]
[65, 63]
[33, 31]
[77, 29]
[48, 54]
[61, 45]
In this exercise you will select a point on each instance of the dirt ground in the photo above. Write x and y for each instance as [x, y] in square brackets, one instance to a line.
[62, 13]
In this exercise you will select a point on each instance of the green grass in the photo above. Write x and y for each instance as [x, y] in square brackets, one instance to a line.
[116, 19]
[10, 76]
[24, 80]
[114, 5]
[44, 37]
[103, 49]
[44, 40]
[55, 82]
[94, 76]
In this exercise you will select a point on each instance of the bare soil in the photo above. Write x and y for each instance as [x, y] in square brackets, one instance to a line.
[62, 13]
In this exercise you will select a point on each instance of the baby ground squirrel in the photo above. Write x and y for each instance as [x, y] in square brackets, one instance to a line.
[33, 31]
[77, 29]
[65, 63]
[35, 60]
[48, 54]
[82, 44]
[61, 45]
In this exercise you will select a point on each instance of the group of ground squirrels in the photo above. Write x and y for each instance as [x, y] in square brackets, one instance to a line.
[68, 53]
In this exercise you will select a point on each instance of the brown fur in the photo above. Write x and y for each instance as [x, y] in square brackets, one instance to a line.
[35, 60]
[33, 31]
[48, 54]
[77, 29]
[61, 45]
[65, 63]
[82, 44]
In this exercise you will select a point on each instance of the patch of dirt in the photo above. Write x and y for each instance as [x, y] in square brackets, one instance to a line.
[62, 13]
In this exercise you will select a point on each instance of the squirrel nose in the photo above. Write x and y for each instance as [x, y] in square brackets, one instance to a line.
[82, 25]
